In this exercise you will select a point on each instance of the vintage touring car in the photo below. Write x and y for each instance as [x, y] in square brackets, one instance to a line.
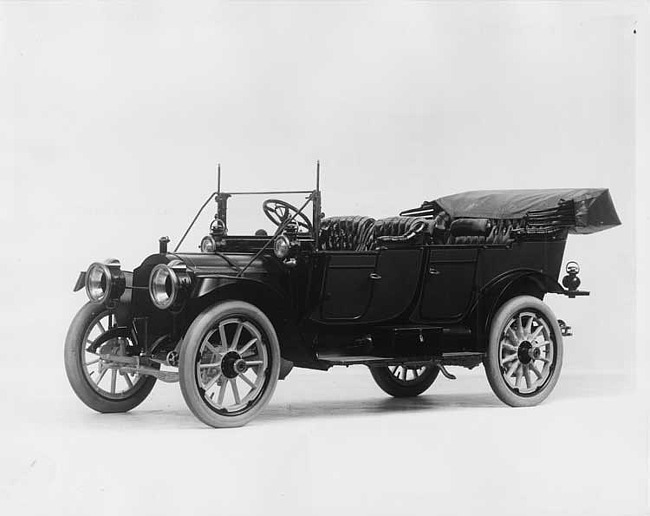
[457, 281]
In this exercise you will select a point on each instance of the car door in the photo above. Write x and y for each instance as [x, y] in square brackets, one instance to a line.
[447, 283]
[347, 285]
[369, 287]
[394, 283]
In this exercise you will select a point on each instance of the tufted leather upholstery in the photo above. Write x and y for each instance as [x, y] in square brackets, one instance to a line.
[501, 233]
[398, 227]
[347, 233]
[436, 232]
[356, 233]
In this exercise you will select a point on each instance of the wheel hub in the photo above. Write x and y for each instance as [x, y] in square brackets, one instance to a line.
[526, 353]
[232, 365]
[240, 366]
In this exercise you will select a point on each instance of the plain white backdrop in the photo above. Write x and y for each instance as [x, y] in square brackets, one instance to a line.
[113, 118]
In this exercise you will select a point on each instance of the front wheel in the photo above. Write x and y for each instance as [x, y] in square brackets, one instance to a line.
[403, 381]
[229, 364]
[101, 384]
[524, 355]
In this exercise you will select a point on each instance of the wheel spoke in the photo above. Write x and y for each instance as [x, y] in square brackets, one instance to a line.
[512, 335]
[207, 366]
[222, 393]
[513, 368]
[101, 375]
[518, 376]
[254, 362]
[235, 339]
[212, 381]
[542, 345]
[246, 380]
[212, 348]
[529, 326]
[91, 362]
[509, 347]
[128, 380]
[536, 333]
[403, 373]
[235, 390]
[247, 345]
[509, 359]
[113, 379]
[529, 381]
[101, 326]
[520, 326]
[222, 336]
[535, 370]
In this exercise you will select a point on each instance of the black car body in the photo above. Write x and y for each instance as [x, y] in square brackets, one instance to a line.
[457, 281]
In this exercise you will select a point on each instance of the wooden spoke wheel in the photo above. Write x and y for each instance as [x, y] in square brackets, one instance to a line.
[404, 381]
[229, 364]
[524, 355]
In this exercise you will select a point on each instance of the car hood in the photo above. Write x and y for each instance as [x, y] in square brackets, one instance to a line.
[204, 264]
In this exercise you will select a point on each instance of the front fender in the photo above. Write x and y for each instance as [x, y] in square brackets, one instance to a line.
[209, 285]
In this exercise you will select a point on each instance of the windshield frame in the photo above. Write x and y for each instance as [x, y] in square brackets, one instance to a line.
[221, 198]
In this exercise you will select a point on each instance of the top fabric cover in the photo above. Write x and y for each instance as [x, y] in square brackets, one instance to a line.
[594, 209]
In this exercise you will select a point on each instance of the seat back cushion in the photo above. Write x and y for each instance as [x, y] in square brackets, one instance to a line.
[471, 227]
[502, 231]
[483, 231]
[399, 227]
[346, 233]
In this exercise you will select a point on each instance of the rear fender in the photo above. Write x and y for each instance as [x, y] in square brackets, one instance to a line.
[515, 283]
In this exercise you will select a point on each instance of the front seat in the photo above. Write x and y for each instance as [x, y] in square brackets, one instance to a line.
[345, 233]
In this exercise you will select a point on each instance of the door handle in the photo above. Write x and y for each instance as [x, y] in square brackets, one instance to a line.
[374, 276]
[433, 271]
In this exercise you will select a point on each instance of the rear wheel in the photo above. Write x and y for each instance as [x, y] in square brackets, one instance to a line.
[524, 355]
[229, 364]
[404, 381]
[100, 384]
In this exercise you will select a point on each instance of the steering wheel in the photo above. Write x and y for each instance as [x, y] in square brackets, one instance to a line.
[278, 211]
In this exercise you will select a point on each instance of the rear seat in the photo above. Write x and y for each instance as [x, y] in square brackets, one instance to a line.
[358, 233]
[502, 231]
[482, 231]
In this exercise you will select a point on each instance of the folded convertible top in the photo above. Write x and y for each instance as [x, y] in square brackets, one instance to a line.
[593, 208]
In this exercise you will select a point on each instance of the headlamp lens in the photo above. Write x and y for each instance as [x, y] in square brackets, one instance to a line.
[208, 245]
[281, 247]
[98, 282]
[163, 286]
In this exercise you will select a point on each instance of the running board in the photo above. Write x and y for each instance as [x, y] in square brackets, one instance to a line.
[464, 359]
[344, 360]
